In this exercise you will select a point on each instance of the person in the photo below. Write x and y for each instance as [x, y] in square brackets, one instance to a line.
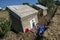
[35, 29]
[33, 23]
[42, 28]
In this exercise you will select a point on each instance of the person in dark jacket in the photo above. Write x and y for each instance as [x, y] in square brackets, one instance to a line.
[42, 28]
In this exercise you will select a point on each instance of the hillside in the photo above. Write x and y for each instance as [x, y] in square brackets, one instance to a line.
[53, 32]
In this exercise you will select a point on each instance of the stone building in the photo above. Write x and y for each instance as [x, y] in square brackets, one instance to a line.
[23, 16]
[41, 8]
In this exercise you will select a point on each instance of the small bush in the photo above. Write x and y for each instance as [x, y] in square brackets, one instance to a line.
[4, 26]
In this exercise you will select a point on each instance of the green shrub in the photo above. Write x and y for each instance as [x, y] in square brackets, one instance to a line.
[4, 26]
[49, 4]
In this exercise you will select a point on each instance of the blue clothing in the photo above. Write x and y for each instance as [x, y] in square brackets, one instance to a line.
[41, 30]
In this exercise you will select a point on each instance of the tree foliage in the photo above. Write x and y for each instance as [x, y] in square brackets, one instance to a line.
[47, 3]
[25, 3]
[43, 2]
[4, 26]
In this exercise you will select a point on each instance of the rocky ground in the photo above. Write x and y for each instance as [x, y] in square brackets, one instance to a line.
[20, 36]
[53, 32]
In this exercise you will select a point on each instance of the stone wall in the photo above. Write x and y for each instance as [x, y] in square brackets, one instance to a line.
[26, 21]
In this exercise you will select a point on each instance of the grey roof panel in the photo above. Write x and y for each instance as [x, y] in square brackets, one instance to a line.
[22, 10]
[41, 6]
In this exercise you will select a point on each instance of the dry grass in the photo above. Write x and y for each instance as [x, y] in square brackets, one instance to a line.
[4, 14]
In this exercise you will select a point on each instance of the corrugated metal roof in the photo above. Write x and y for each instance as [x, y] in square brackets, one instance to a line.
[22, 10]
[41, 6]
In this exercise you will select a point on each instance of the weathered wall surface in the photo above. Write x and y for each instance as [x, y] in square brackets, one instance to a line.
[26, 21]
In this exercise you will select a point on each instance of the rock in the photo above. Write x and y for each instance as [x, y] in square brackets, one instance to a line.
[45, 34]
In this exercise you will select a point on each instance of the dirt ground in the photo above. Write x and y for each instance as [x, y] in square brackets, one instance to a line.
[53, 32]
[20, 36]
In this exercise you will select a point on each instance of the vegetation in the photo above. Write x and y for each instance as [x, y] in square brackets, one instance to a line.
[47, 3]
[25, 3]
[5, 23]
[43, 2]
[4, 26]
